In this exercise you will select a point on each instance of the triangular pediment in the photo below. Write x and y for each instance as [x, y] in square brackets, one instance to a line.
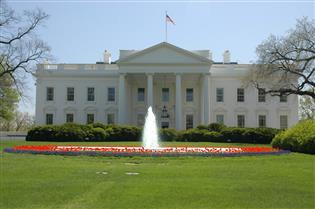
[164, 53]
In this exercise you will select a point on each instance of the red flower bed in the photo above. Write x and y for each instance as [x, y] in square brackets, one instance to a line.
[133, 151]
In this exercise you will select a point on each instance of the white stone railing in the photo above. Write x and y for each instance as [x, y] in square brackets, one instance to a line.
[76, 67]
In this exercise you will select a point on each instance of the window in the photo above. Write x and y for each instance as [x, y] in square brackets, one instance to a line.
[110, 118]
[140, 94]
[262, 121]
[240, 95]
[49, 119]
[220, 119]
[241, 121]
[50, 94]
[165, 94]
[90, 94]
[220, 94]
[70, 94]
[140, 119]
[283, 121]
[111, 94]
[69, 118]
[283, 98]
[164, 124]
[89, 118]
[189, 95]
[189, 121]
[261, 95]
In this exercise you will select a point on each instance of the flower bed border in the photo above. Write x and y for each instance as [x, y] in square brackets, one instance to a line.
[144, 154]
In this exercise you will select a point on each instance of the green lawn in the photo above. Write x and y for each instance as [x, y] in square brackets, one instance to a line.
[46, 181]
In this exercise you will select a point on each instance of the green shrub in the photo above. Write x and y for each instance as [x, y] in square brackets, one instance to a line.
[218, 127]
[300, 138]
[202, 127]
[249, 135]
[123, 133]
[99, 134]
[197, 135]
[66, 132]
[168, 134]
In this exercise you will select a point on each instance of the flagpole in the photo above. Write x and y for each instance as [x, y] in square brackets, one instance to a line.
[165, 26]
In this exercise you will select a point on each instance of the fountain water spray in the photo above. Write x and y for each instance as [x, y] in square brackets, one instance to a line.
[150, 136]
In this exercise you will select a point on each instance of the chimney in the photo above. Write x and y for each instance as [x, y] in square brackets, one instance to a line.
[226, 56]
[107, 57]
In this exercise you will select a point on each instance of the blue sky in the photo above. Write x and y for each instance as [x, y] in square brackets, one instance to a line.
[79, 31]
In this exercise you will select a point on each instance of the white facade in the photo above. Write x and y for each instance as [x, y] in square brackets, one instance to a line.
[186, 86]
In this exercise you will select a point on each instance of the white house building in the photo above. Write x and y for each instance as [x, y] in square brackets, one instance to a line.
[185, 89]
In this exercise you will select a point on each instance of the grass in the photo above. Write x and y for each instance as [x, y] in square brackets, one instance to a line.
[44, 181]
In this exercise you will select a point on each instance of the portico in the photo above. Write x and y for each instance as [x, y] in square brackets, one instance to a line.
[182, 69]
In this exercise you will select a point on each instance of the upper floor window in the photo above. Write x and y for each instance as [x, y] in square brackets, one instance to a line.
[90, 94]
[220, 119]
[240, 95]
[140, 94]
[165, 94]
[189, 121]
[50, 94]
[283, 98]
[283, 121]
[49, 119]
[70, 94]
[90, 118]
[241, 121]
[69, 118]
[110, 118]
[261, 95]
[111, 94]
[220, 94]
[189, 95]
[262, 121]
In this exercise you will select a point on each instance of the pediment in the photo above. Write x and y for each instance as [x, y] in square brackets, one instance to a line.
[164, 53]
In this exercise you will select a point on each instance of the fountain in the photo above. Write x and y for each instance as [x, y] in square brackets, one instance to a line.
[150, 137]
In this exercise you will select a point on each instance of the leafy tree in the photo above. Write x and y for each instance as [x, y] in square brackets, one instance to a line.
[9, 97]
[286, 64]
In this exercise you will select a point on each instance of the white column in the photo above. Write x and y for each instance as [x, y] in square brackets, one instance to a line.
[121, 100]
[150, 90]
[206, 96]
[178, 104]
[202, 103]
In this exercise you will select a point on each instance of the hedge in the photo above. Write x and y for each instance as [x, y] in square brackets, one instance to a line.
[249, 135]
[101, 132]
[300, 138]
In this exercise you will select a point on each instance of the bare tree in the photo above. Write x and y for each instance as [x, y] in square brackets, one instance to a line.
[20, 48]
[286, 64]
[21, 121]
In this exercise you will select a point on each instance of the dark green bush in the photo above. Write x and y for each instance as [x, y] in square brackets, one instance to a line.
[123, 133]
[168, 134]
[66, 132]
[218, 127]
[300, 138]
[202, 127]
[249, 135]
[197, 135]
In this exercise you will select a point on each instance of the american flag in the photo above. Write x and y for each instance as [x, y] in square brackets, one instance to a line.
[169, 19]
